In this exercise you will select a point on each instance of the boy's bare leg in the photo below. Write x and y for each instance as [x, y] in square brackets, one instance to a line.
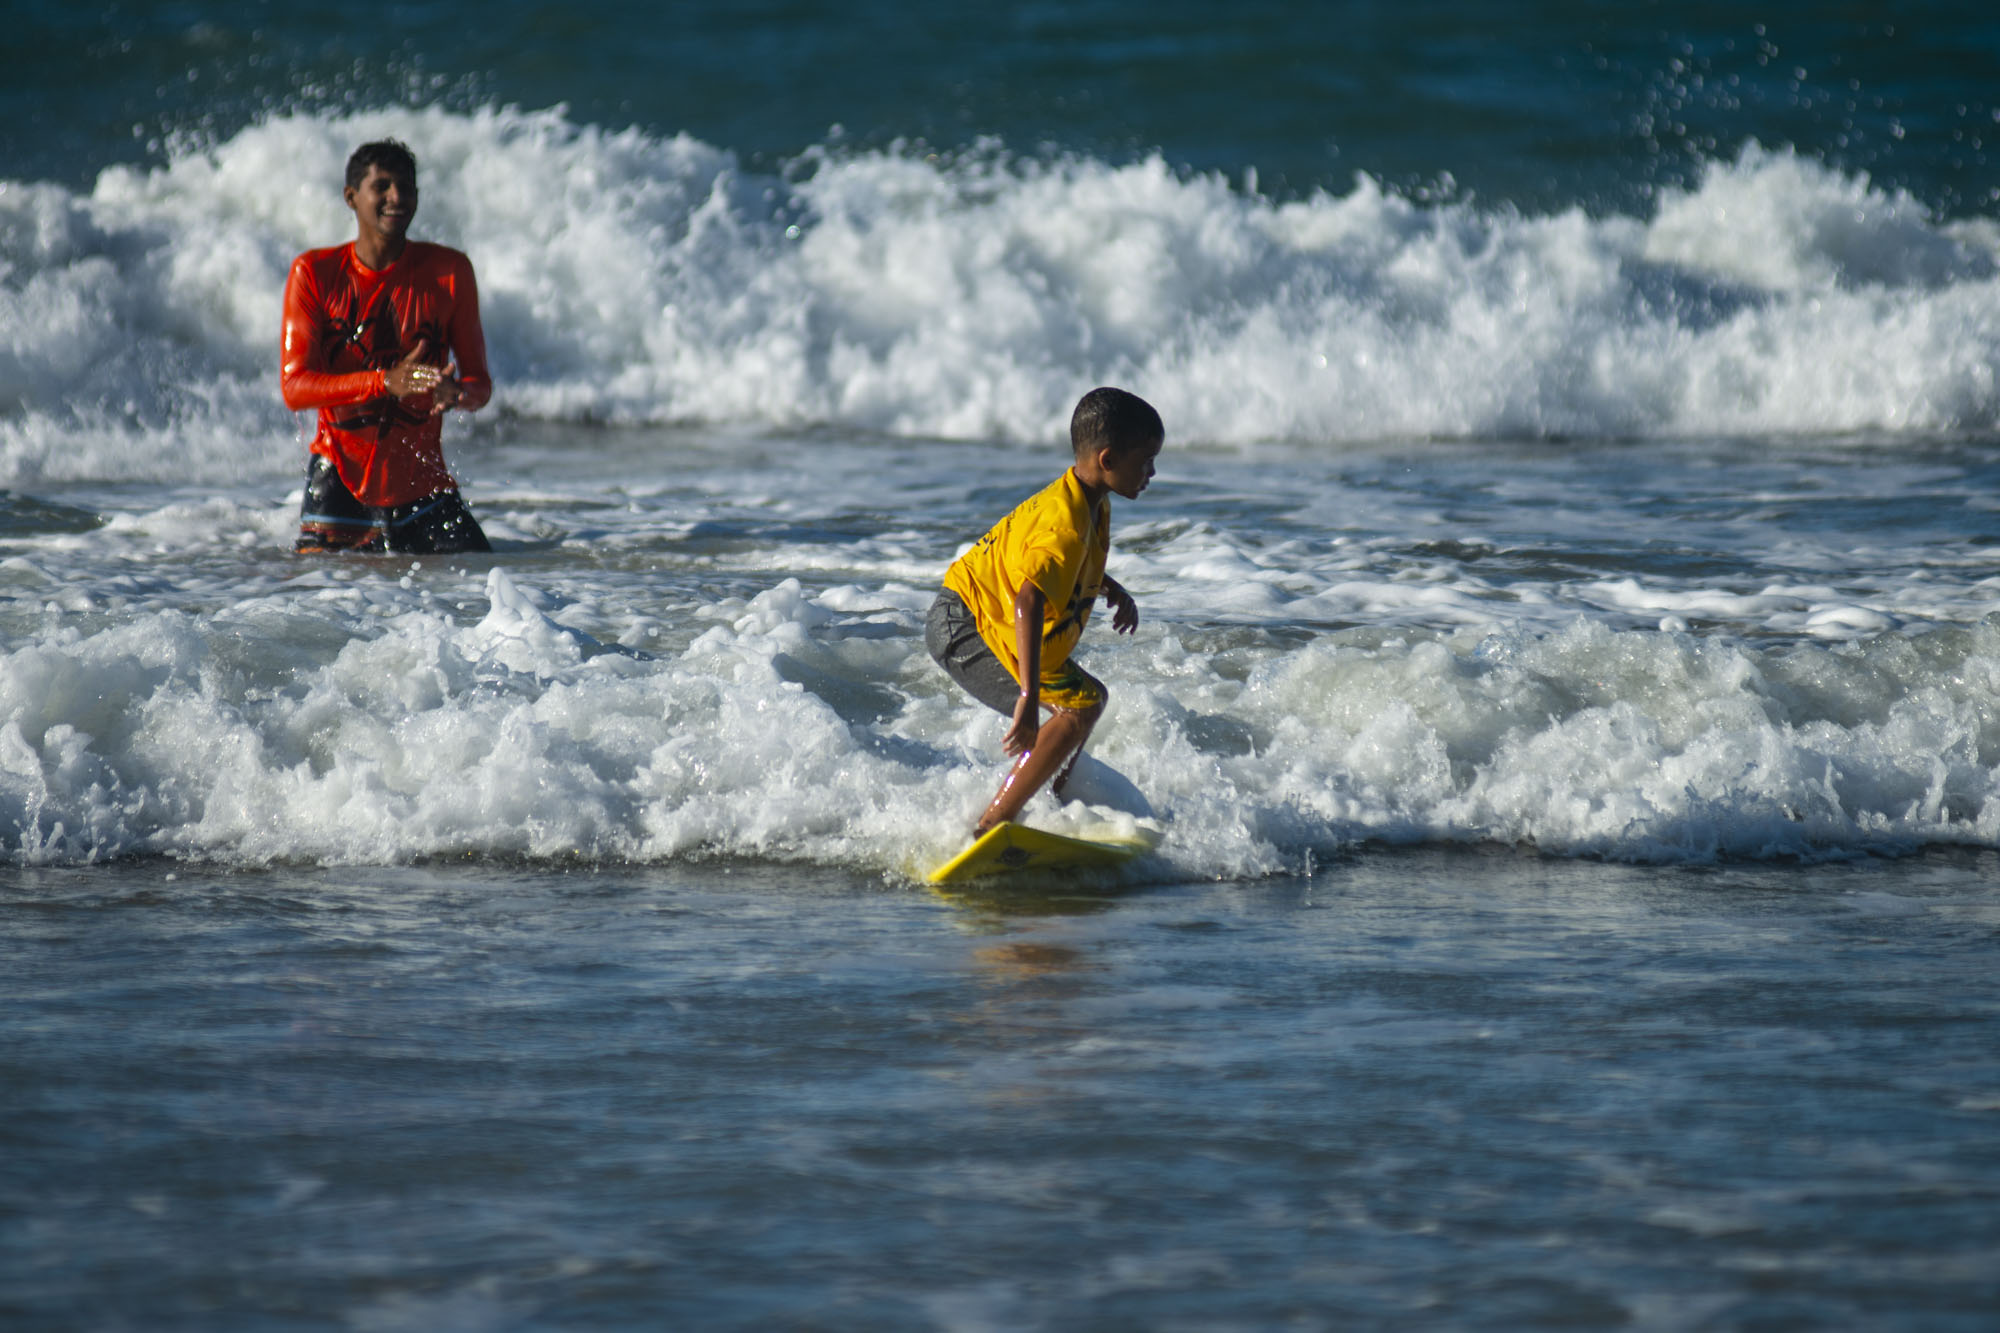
[1089, 716]
[1057, 745]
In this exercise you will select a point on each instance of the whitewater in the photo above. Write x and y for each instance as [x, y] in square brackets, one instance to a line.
[1660, 539]
[634, 279]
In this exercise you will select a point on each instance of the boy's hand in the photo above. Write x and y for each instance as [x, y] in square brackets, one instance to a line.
[1124, 611]
[1027, 723]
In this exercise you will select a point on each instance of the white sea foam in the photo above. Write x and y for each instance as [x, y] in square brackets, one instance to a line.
[705, 643]
[813, 727]
[627, 278]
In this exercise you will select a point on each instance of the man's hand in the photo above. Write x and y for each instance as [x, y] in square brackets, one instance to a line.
[1124, 611]
[409, 378]
[1027, 724]
[445, 396]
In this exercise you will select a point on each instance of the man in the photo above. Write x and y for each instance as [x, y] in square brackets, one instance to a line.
[382, 336]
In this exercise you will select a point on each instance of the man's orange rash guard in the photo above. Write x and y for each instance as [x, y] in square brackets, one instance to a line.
[345, 326]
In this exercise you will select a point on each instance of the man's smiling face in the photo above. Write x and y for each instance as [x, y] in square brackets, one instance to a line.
[383, 203]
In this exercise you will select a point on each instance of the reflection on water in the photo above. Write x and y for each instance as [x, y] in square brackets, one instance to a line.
[991, 904]
[1021, 960]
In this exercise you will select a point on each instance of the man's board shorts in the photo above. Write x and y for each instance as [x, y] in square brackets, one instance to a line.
[331, 519]
[954, 643]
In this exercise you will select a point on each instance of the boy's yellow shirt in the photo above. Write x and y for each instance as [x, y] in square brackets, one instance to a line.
[1054, 539]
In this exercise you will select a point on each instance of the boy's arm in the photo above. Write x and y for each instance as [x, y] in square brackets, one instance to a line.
[1124, 611]
[1029, 607]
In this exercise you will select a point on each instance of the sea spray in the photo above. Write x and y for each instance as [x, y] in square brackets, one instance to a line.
[632, 279]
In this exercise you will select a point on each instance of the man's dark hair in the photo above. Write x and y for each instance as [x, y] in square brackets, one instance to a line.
[1113, 419]
[392, 155]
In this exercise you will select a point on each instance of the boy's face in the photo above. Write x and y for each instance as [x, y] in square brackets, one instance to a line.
[1127, 471]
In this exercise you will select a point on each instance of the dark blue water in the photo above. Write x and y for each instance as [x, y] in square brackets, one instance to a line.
[1473, 1091]
[1541, 105]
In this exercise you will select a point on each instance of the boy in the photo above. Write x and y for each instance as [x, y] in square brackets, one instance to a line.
[1014, 605]
[372, 331]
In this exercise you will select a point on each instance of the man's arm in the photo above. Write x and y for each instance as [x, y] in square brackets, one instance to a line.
[471, 387]
[304, 386]
[301, 383]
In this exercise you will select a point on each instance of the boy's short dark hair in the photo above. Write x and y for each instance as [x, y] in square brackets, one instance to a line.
[392, 155]
[1113, 419]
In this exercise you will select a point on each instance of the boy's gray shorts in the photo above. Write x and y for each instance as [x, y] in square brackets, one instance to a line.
[954, 642]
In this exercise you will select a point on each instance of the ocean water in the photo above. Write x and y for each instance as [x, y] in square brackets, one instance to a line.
[1567, 692]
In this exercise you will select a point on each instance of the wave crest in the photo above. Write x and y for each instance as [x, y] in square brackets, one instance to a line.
[629, 278]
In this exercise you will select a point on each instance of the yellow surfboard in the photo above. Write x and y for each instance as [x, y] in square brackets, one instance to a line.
[1012, 849]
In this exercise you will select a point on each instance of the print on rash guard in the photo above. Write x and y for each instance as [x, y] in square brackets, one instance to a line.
[345, 325]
